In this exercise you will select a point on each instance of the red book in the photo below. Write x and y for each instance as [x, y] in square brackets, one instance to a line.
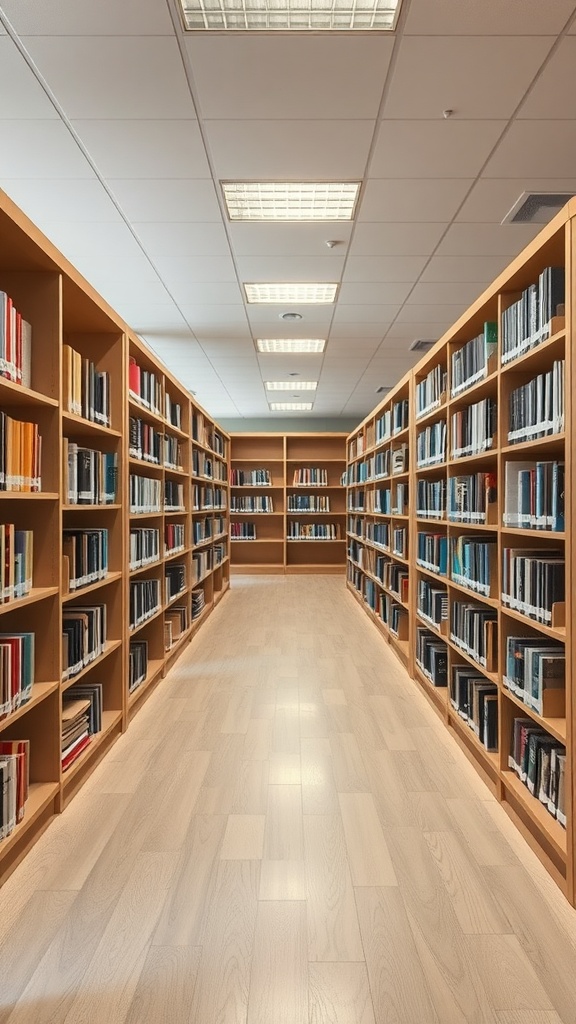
[75, 752]
[134, 376]
[21, 750]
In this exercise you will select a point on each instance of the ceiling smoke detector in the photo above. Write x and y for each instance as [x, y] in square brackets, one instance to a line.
[536, 207]
[290, 316]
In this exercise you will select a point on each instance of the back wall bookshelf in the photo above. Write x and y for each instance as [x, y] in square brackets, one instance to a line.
[473, 589]
[114, 490]
[288, 503]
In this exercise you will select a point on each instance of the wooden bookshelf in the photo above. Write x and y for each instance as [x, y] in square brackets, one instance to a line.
[76, 340]
[436, 394]
[275, 547]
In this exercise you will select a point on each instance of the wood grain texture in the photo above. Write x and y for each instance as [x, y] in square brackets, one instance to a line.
[508, 976]
[476, 910]
[283, 836]
[339, 994]
[333, 931]
[397, 982]
[244, 837]
[349, 770]
[166, 986]
[282, 880]
[279, 976]
[368, 855]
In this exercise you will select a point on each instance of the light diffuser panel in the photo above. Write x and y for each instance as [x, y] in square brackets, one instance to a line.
[297, 293]
[290, 406]
[290, 344]
[296, 16]
[291, 385]
[290, 200]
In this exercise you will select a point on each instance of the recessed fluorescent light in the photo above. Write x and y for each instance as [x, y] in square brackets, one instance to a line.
[298, 293]
[290, 344]
[304, 16]
[289, 385]
[291, 200]
[290, 406]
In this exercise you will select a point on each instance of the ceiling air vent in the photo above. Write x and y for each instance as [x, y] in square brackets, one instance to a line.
[421, 346]
[383, 388]
[536, 207]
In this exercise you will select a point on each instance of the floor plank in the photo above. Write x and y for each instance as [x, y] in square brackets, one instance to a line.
[339, 994]
[279, 976]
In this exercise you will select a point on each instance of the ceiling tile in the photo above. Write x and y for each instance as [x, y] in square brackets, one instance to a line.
[486, 239]
[84, 17]
[373, 314]
[128, 294]
[432, 313]
[194, 292]
[289, 239]
[492, 198]
[383, 268]
[554, 154]
[452, 66]
[375, 293]
[549, 97]
[116, 269]
[490, 18]
[61, 156]
[20, 91]
[290, 268]
[77, 239]
[358, 330]
[336, 76]
[143, 78]
[145, 149]
[196, 269]
[449, 269]
[297, 150]
[396, 239]
[191, 239]
[62, 200]
[467, 293]
[173, 200]
[412, 199]
[162, 316]
[446, 148]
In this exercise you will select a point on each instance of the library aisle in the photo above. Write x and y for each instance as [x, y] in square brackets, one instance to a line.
[286, 835]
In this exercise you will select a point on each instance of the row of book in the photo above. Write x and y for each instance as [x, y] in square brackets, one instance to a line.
[539, 761]
[250, 478]
[137, 664]
[175, 625]
[431, 391]
[144, 601]
[308, 503]
[202, 564]
[527, 322]
[14, 783]
[379, 535]
[308, 475]
[431, 656]
[144, 441]
[173, 496]
[82, 706]
[145, 387]
[16, 562]
[376, 467]
[535, 672]
[15, 343]
[208, 498]
[144, 548]
[534, 495]
[90, 476]
[172, 411]
[251, 503]
[84, 556]
[174, 580]
[83, 637]
[205, 465]
[207, 435]
[533, 582]
[20, 455]
[475, 699]
[313, 531]
[174, 538]
[432, 602]
[145, 494]
[474, 628]
[473, 429]
[537, 408]
[473, 362]
[198, 603]
[400, 414]
[243, 531]
[16, 670]
[86, 390]
[431, 444]
[202, 530]
[219, 552]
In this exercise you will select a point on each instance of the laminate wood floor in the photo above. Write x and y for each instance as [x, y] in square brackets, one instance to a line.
[286, 835]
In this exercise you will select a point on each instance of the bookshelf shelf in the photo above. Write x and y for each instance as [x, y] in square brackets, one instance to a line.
[110, 646]
[12, 394]
[77, 426]
[36, 594]
[40, 796]
[71, 595]
[143, 413]
[40, 691]
[483, 484]
[91, 508]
